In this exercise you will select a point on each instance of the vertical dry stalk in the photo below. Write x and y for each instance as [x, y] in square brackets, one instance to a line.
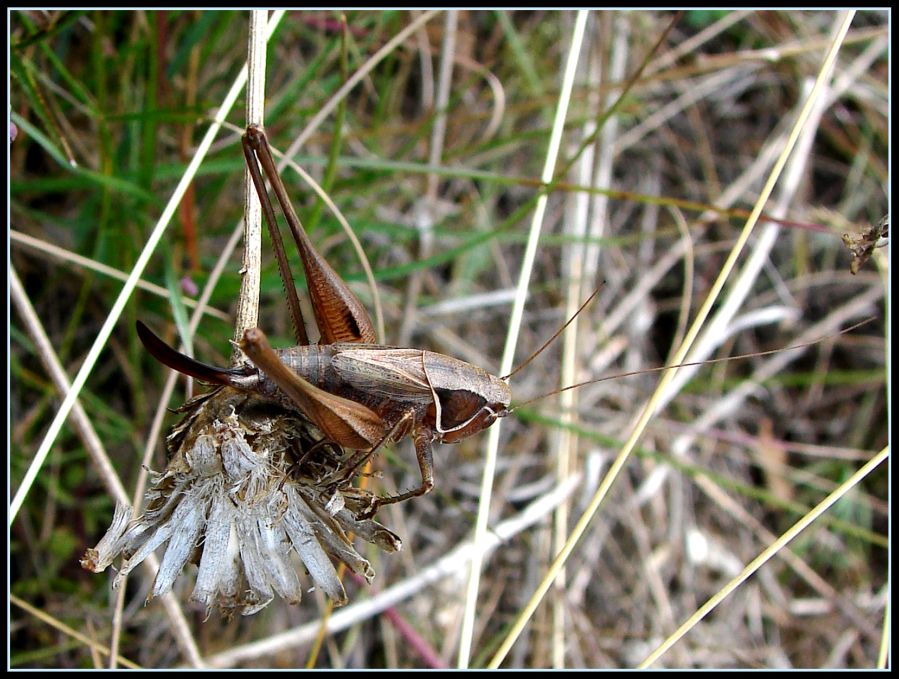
[248, 302]
[515, 326]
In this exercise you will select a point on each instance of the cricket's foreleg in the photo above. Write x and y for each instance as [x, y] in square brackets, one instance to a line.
[426, 466]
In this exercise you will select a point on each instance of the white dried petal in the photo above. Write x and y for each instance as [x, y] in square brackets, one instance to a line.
[370, 531]
[346, 553]
[230, 572]
[162, 534]
[353, 560]
[275, 547]
[137, 534]
[313, 556]
[215, 550]
[335, 503]
[110, 545]
[330, 534]
[258, 485]
[203, 458]
[238, 457]
[171, 496]
[189, 519]
[313, 512]
[253, 565]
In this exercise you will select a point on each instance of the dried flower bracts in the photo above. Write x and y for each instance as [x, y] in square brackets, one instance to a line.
[243, 498]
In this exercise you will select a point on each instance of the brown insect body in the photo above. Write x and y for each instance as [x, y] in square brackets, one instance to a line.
[455, 399]
[427, 395]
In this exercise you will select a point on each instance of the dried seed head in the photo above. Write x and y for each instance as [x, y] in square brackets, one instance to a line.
[242, 497]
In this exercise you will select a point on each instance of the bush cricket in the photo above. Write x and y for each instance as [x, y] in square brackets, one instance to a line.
[361, 395]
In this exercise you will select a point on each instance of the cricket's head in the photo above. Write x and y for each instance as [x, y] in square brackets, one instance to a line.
[465, 413]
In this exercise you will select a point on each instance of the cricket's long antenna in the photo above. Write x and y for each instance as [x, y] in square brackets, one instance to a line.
[687, 365]
[557, 333]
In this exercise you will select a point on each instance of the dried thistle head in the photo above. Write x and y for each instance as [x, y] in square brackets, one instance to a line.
[246, 491]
